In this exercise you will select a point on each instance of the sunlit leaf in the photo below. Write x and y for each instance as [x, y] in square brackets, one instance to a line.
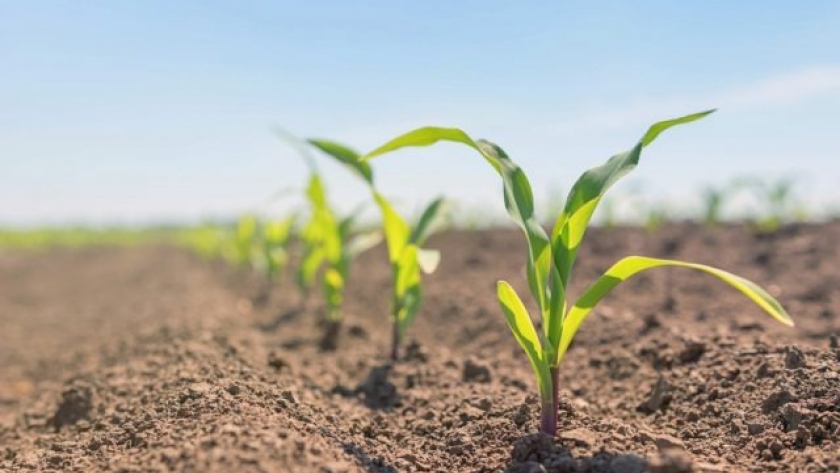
[519, 199]
[572, 223]
[427, 136]
[516, 316]
[430, 221]
[346, 156]
[396, 229]
[628, 267]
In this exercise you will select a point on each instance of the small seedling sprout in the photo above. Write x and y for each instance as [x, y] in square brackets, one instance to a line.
[551, 257]
[406, 254]
[779, 196]
[276, 236]
[244, 240]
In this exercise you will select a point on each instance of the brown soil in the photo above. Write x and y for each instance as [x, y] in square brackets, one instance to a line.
[148, 359]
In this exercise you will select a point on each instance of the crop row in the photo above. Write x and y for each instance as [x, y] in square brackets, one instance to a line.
[329, 243]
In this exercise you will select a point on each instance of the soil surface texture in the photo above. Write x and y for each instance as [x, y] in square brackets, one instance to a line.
[150, 359]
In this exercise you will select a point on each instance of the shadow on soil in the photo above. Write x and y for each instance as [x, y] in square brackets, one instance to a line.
[540, 452]
[370, 464]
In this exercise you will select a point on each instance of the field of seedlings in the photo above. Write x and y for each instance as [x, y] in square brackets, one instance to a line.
[317, 342]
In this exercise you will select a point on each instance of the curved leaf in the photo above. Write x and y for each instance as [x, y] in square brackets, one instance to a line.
[406, 287]
[519, 199]
[587, 192]
[346, 156]
[430, 221]
[396, 229]
[630, 266]
[427, 136]
[516, 316]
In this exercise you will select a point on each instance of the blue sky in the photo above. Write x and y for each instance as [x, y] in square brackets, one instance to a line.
[150, 111]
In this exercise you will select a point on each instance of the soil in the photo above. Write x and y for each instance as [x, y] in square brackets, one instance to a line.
[150, 359]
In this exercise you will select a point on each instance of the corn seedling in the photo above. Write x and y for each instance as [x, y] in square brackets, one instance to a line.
[657, 215]
[329, 242]
[312, 235]
[275, 240]
[713, 199]
[405, 252]
[273, 243]
[781, 205]
[205, 240]
[551, 257]
[244, 240]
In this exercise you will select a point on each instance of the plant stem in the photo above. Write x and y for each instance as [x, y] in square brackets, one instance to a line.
[551, 404]
[548, 418]
[395, 342]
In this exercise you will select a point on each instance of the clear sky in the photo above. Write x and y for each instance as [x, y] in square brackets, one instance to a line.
[117, 111]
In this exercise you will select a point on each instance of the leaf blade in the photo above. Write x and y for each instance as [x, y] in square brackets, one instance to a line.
[516, 316]
[632, 265]
[589, 189]
[427, 136]
[396, 229]
[430, 221]
[346, 156]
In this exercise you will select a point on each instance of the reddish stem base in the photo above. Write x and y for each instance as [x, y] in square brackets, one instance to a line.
[548, 415]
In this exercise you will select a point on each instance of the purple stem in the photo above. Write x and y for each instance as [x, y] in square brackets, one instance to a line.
[548, 416]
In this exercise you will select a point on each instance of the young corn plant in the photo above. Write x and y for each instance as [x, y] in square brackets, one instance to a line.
[274, 242]
[713, 202]
[312, 235]
[552, 256]
[244, 240]
[205, 240]
[406, 254]
[780, 201]
[330, 242]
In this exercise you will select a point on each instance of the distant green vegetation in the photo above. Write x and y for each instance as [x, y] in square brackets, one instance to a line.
[208, 240]
[246, 241]
[40, 238]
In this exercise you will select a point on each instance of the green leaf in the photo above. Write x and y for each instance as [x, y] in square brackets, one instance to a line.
[334, 292]
[246, 232]
[277, 233]
[516, 316]
[427, 136]
[553, 324]
[406, 287]
[519, 203]
[345, 156]
[587, 192]
[519, 199]
[430, 221]
[308, 270]
[315, 192]
[628, 267]
[408, 269]
[657, 128]
[396, 229]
